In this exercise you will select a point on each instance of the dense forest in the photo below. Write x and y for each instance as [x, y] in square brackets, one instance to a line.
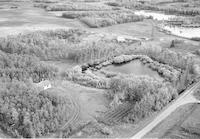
[63, 44]
[22, 67]
[25, 112]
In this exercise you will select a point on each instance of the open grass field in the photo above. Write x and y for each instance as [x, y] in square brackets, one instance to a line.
[183, 123]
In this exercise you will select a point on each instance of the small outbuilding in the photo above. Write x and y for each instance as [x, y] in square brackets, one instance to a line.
[46, 84]
[121, 39]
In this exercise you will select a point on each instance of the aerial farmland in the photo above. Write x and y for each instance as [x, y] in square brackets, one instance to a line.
[100, 69]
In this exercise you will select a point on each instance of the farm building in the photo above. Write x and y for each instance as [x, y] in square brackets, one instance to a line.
[44, 84]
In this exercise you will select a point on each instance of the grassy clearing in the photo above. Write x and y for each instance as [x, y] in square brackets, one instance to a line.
[197, 94]
[172, 122]
[188, 127]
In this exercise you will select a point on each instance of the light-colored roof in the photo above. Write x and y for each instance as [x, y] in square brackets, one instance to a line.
[44, 83]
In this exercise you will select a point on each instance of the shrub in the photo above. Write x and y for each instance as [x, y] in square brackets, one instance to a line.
[87, 79]
[113, 4]
[102, 19]
[77, 7]
[40, 5]
[146, 94]
[45, 1]
[78, 14]
[98, 22]
[195, 38]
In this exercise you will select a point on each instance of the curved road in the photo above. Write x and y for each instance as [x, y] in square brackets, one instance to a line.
[185, 98]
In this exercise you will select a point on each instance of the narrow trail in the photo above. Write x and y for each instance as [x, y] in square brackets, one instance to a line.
[75, 115]
[185, 98]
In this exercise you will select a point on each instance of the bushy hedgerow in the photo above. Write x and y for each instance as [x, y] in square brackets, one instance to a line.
[103, 49]
[146, 94]
[169, 10]
[102, 19]
[77, 7]
[77, 14]
[113, 4]
[94, 22]
[26, 112]
[167, 72]
[97, 19]
[165, 56]
[45, 1]
[87, 78]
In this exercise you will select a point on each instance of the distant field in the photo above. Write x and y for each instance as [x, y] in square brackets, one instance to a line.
[190, 128]
[183, 123]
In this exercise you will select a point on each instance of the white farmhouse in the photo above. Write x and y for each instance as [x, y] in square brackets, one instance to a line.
[121, 39]
[44, 85]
